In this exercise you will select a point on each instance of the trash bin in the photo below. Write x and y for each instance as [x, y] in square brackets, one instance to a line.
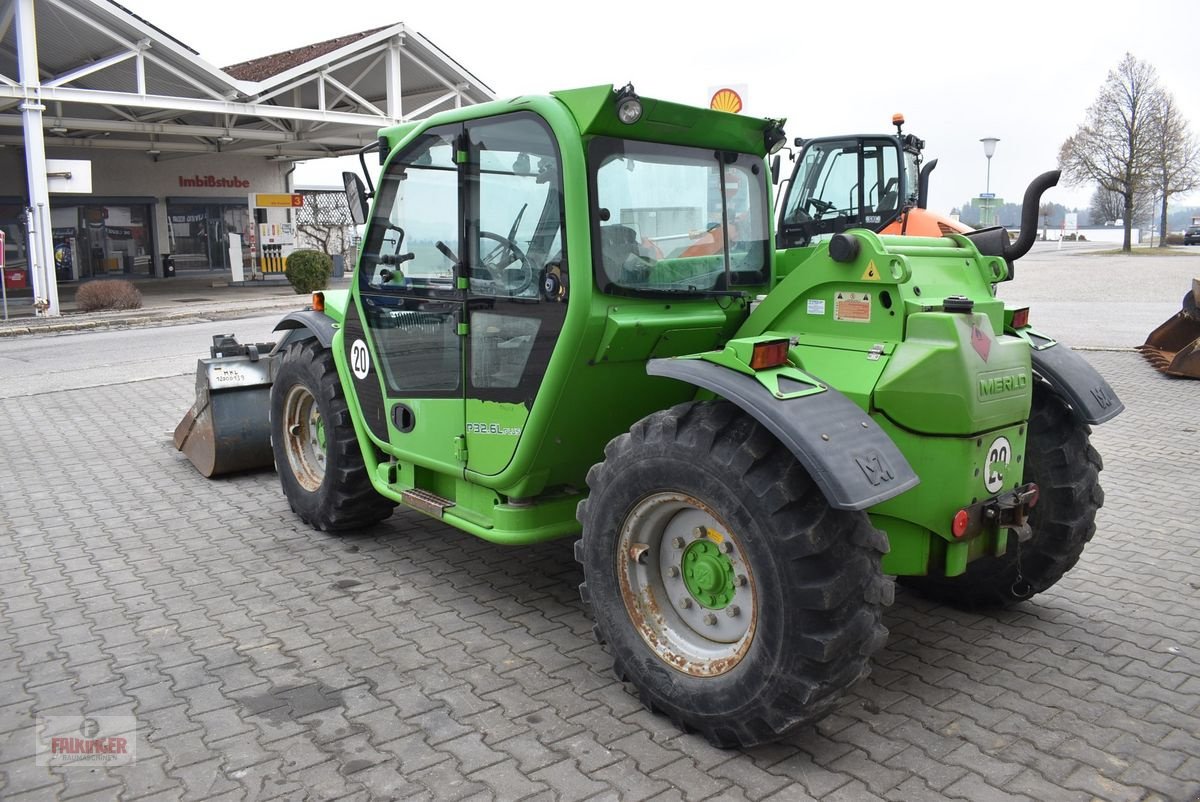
[168, 265]
[16, 278]
[339, 266]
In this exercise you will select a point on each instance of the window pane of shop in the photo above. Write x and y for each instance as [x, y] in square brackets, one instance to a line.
[113, 240]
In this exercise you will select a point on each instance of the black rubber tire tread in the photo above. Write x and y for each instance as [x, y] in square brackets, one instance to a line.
[820, 588]
[1061, 460]
[345, 500]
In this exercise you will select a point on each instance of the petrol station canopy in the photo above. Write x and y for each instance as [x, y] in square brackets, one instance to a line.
[110, 79]
[84, 77]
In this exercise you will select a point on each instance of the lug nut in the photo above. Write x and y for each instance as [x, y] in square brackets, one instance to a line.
[673, 572]
[733, 611]
[677, 542]
[685, 603]
[699, 532]
[710, 619]
[743, 580]
[727, 547]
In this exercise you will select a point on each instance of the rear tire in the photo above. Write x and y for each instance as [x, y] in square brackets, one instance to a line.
[781, 609]
[1066, 469]
[316, 450]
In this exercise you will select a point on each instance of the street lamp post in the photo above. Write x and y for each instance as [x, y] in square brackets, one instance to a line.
[989, 149]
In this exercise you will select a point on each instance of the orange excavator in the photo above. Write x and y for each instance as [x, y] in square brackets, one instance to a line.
[873, 181]
[878, 182]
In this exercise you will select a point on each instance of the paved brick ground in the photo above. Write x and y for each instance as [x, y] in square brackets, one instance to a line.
[263, 660]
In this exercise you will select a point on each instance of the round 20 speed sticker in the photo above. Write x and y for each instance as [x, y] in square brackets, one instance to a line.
[360, 359]
[999, 457]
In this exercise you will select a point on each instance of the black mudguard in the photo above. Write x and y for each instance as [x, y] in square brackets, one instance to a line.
[320, 325]
[1072, 378]
[854, 463]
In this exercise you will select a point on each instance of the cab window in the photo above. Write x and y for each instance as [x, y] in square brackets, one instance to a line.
[413, 231]
[672, 219]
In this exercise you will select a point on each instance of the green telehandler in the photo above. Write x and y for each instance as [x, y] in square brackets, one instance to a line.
[571, 317]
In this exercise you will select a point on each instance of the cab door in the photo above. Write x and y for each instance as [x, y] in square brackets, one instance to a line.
[461, 293]
[404, 332]
[517, 287]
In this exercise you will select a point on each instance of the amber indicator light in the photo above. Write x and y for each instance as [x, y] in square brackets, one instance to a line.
[770, 354]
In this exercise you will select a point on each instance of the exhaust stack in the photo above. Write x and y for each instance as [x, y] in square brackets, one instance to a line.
[1029, 215]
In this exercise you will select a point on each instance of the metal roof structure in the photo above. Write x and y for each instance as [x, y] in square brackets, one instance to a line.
[110, 79]
[92, 74]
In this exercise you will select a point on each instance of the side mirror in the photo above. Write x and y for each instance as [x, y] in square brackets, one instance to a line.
[356, 197]
[775, 170]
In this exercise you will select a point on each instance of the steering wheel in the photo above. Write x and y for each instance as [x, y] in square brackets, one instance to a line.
[506, 263]
[820, 206]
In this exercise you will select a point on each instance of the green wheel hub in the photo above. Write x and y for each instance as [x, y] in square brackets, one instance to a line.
[686, 583]
[708, 574]
[304, 437]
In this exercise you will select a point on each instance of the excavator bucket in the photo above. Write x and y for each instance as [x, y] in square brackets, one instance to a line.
[228, 427]
[1174, 347]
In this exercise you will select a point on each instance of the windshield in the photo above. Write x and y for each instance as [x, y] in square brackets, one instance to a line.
[677, 219]
[849, 181]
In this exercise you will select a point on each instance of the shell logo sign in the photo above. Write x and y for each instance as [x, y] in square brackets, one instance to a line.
[726, 99]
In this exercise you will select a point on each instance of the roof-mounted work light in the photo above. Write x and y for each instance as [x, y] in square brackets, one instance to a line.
[773, 136]
[629, 105]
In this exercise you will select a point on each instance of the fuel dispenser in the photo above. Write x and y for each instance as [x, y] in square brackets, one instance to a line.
[276, 233]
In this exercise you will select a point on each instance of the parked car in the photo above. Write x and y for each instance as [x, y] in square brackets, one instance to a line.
[1192, 235]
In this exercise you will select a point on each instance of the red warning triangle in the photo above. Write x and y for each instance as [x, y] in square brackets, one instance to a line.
[981, 342]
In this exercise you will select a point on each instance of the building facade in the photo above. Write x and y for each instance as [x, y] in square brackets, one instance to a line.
[176, 149]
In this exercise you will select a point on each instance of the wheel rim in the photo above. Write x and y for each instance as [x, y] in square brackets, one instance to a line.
[686, 584]
[304, 437]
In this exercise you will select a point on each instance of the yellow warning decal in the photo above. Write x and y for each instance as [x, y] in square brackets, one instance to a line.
[715, 536]
[871, 273]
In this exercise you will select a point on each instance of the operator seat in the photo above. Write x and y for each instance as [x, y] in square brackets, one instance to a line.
[887, 203]
[619, 249]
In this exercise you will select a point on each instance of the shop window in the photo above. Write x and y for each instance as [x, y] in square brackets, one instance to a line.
[12, 222]
[199, 234]
[114, 239]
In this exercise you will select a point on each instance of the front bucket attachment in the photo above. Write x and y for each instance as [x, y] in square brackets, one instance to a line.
[228, 427]
[1174, 347]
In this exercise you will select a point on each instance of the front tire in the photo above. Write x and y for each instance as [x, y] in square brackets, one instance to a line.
[317, 454]
[1061, 461]
[732, 596]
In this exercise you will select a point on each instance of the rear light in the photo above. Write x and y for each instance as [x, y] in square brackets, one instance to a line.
[318, 302]
[1020, 318]
[959, 526]
[769, 354]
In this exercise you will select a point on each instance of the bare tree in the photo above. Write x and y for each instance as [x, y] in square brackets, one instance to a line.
[1114, 146]
[1108, 207]
[324, 221]
[1176, 157]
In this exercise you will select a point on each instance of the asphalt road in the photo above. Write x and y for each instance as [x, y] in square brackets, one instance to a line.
[45, 364]
[1090, 299]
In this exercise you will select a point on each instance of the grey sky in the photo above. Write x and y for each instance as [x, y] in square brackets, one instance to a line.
[1021, 71]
